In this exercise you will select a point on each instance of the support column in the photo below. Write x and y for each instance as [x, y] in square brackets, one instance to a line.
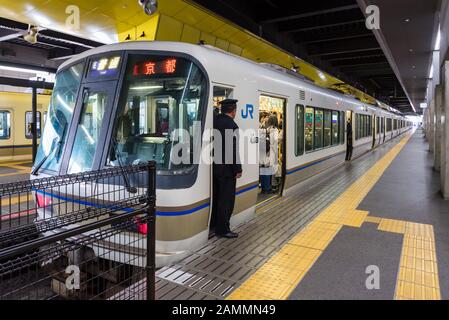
[431, 136]
[445, 136]
[438, 127]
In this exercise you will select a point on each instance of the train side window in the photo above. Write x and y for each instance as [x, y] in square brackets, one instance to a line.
[309, 124]
[318, 128]
[327, 128]
[5, 125]
[28, 121]
[335, 128]
[220, 94]
[299, 130]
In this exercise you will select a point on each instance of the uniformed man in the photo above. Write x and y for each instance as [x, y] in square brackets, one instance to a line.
[226, 172]
[349, 140]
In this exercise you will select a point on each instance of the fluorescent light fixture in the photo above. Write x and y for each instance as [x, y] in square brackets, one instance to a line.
[431, 72]
[438, 40]
[423, 105]
[23, 70]
[146, 87]
[321, 75]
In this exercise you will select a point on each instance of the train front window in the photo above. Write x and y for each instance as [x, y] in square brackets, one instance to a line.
[88, 132]
[159, 113]
[59, 116]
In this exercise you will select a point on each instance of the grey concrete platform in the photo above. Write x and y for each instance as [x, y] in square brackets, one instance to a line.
[408, 191]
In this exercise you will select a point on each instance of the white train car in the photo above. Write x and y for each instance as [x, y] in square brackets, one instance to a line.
[140, 92]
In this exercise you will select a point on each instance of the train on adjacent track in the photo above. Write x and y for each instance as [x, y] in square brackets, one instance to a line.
[15, 124]
[120, 104]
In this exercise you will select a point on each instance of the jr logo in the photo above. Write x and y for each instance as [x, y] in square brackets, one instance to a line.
[248, 112]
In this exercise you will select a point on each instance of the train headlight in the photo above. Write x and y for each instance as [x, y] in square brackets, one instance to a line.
[149, 6]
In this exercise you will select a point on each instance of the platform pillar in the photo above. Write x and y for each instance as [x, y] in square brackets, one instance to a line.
[431, 133]
[445, 135]
[438, 127]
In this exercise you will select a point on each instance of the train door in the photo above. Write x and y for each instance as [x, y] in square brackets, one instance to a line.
[6, 135]
[272, 133]
[373, 130]
[384, 129]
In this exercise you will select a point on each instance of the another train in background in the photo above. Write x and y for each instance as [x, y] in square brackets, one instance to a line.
[15, 124]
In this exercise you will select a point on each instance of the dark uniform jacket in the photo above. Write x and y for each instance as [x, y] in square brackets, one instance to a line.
[349, 133]
[222, 123]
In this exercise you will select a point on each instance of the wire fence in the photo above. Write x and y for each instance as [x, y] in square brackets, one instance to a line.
[82, 236]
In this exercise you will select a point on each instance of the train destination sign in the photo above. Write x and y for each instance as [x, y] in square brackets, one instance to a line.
[148, 68]
[104, 66]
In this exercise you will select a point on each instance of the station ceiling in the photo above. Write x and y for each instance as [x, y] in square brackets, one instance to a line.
[332, 35]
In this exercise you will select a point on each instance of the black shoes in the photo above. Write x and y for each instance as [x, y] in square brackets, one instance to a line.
[230, 235]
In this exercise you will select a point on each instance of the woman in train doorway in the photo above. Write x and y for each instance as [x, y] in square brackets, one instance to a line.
[269, 154]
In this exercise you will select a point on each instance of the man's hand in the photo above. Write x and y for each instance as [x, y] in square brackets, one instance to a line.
[238, 175]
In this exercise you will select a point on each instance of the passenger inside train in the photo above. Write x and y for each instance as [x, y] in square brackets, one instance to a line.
[271, 147]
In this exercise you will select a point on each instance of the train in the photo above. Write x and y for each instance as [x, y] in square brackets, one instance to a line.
[15, 120]
[125, 100]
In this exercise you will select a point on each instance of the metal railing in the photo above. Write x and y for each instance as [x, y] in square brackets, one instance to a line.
[82, 236]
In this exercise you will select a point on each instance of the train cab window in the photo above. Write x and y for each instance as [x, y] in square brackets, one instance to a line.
[299, 131]
[318, 139]
[88, 132]
[60, 114]
[5, 125]
[28, 121]
[335, 128]
[160, 112]
[327, 128]
[309, 126]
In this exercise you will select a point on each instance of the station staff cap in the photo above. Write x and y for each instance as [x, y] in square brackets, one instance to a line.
[229, 102]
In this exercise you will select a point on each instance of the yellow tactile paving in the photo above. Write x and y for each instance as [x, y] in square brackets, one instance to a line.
[283, 272]
[372, 219]
[418, 269]
[390, 225]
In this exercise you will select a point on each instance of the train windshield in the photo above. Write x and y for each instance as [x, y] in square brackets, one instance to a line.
[59, 117]
[159, 109]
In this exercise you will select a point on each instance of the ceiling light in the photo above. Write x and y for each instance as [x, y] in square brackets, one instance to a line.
[438, 40]
[146, 87]
[407, 20]
[431, 72]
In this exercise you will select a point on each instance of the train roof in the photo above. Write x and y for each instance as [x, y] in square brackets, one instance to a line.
[206, 54]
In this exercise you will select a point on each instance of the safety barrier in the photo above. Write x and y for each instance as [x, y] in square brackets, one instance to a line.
[82, 236]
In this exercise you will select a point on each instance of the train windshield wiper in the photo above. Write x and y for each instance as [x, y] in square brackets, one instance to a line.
[44, 159]
[118, 156]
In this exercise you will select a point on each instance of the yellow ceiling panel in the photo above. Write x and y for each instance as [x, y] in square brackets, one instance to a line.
[172, 7]
[123, 11]
[241, 38]
[226, 32]
[208, 38]
[210, 24]
[169, 29]
[190, 34]
[190, 16]
[235, 49]
[222, 44]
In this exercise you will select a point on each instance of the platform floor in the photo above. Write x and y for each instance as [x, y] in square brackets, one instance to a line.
[380, 214]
